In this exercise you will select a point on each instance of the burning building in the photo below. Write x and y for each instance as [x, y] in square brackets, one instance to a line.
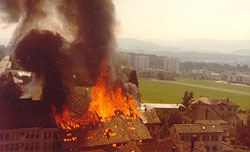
[70, 44]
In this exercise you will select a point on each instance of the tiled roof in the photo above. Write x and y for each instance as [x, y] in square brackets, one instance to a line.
[24, 114]
[210, 101]
[203, 114]
[149, 116]
[117, 130]
[197, 128]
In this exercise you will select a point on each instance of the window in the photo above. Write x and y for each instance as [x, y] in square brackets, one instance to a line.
[214, 137]
[17, 135]
[197, 137]
[26, 146]
[45, 135]
[214, 148]
[31, 146]
[6, 147]
[11, 147]
[12, 136]
[6, 136]
[49, 135]
[221, 108]
[49, 145]
[44, 146]
[36, 145]
[37, 134]
[207, 148]
[54, 135]
[1, 136]
[32, 135]
[205, 138]
[22, 134]
[229, 109]
[182, 137]
[27, 135]
[16, 147]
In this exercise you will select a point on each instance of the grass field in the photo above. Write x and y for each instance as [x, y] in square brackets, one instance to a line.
[166, 92]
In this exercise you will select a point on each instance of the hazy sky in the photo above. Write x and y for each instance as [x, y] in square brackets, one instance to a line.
[178, 19]
[184, 19]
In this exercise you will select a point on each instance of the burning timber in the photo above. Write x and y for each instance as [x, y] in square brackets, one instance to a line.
[116, 131]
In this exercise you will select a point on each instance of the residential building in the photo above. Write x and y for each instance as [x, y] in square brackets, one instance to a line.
[26, 127]
[209, 134]
[151, 120]
[215, 76]
[171, 65]
[224, 107]
[204, 114]
[141, 62]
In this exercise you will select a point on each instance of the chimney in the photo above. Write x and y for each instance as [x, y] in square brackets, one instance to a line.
[173, 149]
[227, 100]
[206, 116]
[194, 137]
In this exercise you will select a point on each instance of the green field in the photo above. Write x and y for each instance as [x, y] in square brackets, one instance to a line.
[166, 92]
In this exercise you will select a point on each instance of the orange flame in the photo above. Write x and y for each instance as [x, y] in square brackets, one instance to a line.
[105, 104]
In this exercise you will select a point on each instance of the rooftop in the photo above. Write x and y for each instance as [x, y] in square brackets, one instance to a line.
[197, 128]
[210, 101]
[203, 114]
[149, 116]
[25, 114]
[161, 106]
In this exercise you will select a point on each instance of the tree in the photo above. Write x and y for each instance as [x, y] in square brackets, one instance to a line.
[243, 132]
[187, 97]
[133, 78]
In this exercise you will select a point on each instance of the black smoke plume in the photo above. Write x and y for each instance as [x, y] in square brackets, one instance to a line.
[49, 54]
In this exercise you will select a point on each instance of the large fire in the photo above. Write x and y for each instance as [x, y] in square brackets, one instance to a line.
[105, 105]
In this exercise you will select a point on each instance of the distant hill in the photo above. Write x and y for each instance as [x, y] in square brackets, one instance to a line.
[242, 52]
[207, 45]
[143, 46]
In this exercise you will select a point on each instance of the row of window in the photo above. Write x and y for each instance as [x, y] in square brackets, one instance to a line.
[214, 148]
[201, 137]
[33, 146]
[228, 109]
[26, 135]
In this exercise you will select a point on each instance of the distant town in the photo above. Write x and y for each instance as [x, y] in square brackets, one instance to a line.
[199, 124]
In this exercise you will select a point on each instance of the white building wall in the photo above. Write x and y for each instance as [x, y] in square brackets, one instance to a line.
[171, 65]
[141, 62]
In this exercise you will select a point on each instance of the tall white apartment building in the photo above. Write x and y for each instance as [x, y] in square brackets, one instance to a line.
[171, 65]
[141, 62]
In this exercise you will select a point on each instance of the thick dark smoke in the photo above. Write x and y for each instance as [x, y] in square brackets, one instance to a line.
[40, 52]
[56, 60]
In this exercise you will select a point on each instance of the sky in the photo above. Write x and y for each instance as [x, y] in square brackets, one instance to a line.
[183, 19]
[176, 19]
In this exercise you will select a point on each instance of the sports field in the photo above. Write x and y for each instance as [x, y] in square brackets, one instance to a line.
[173, 91]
